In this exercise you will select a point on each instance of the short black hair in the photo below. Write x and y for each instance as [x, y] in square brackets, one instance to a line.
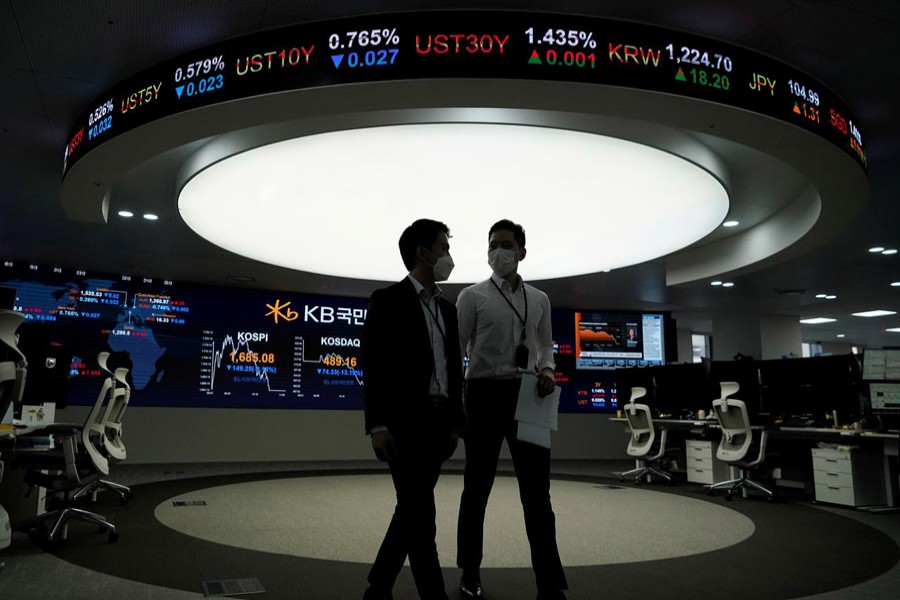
[507, 225]
[423, 232]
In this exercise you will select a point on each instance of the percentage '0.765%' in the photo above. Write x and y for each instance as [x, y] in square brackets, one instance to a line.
[365, 38]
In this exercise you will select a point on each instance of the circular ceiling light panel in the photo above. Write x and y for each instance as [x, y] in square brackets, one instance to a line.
[335, 203]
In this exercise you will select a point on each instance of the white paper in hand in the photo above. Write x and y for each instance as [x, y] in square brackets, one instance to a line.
[533, 434]
[533, 409]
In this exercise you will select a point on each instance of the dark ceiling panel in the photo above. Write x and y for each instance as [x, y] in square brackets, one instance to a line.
[104, 42]
[21, 116]
[829, 41]
[63, 99]
[12, 50]
[887, 11]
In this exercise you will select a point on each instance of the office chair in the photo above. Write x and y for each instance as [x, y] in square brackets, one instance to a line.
[641, 443]
[65, 473]
[108, 428]
[14, 367]
[737, 440]
[12, 383]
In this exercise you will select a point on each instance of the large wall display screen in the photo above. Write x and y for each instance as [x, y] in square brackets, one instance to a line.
[200, 346]
[468, 44]
[213, 347]
[591, 345]
[611, 340]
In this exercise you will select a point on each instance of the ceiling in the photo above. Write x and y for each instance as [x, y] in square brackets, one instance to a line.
[56, 58]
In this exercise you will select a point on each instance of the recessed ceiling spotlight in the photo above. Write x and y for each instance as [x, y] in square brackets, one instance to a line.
[875, 313]
[830, 297]
[821, 295]
[731, 223]
[817, 320]
[150, 216]
[126, 213]
[715, 282]
[841, 335]
[876, 249]
[728, 284]
[889, 251]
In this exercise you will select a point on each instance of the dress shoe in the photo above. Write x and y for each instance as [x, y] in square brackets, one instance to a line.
[470, 588]
[555, 595]
[373, 594]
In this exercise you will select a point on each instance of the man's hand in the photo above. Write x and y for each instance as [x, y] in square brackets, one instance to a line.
[452, 442]
[383, 445]
[545, 382]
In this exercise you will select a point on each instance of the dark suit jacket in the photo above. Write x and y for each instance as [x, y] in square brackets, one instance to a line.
[398, 360]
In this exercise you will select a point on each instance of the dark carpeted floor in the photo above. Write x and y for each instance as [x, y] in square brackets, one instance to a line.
[796, 551]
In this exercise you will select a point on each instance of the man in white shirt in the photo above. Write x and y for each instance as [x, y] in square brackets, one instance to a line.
[505, 329]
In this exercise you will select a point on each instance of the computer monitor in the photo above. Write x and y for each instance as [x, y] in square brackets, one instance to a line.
[746, 374]
[49, 365]
[884, 404]
[7, 297]
[627, 378]
[612, 339]
[680, 389]
[816, 387]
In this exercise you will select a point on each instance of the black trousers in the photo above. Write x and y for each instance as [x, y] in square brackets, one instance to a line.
[491, 409]
[415, 471]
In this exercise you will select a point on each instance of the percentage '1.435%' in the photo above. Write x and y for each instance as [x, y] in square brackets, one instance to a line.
[563, 37]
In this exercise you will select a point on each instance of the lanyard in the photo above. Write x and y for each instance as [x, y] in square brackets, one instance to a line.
[434, 317]
[512, 306]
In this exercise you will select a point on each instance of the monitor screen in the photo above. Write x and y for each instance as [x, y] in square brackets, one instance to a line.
[632, 377]
[881, 364]
[7, 297]
[743, 372]
[680, 388]
[815, 386]
[49, 364]
[609, 340]
[195, 345]
[885, 398]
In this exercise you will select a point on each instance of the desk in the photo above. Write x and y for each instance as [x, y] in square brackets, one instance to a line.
[887, 444]
[12, 485]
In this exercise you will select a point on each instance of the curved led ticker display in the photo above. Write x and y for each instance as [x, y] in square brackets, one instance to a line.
[469, 44]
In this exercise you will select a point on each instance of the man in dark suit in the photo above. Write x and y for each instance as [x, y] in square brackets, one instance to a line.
[413, 394]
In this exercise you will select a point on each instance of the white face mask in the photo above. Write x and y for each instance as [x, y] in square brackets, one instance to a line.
[443, 267]
[502, 261]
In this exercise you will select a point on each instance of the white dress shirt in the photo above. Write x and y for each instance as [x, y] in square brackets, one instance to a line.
[436, 332]
[490, 331]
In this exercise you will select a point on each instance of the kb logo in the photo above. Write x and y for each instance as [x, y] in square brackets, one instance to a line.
[282, 311]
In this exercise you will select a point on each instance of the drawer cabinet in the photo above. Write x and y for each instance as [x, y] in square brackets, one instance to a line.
[702, 466]
[851, 478]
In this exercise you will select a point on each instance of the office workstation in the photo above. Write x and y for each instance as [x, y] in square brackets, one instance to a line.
[816, 413]
[193, 230]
